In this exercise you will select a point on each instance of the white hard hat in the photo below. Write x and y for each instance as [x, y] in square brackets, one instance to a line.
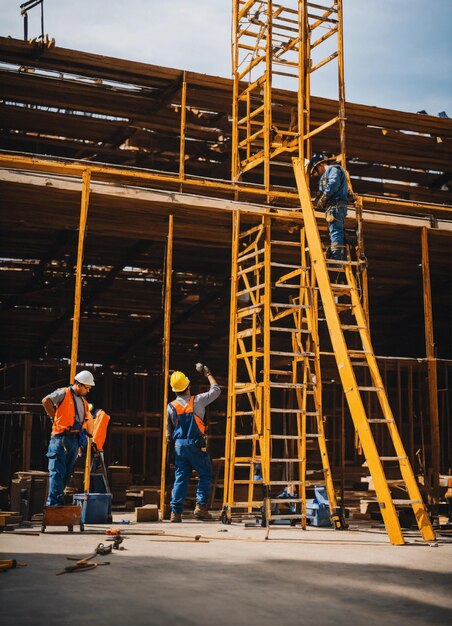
[85, 377]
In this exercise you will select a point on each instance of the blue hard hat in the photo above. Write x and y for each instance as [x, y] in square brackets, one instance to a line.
[316, 159]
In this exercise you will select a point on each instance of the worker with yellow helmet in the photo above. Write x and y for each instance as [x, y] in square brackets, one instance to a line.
[186, 427]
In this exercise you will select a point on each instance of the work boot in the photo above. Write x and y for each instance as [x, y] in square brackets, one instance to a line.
[175, 517]
[202, 512]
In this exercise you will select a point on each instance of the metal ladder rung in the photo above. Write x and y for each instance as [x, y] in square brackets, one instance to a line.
[244, 481]
[245, 437]
[370, 388]
[407, 502]
[289, 411]
[278, 242]
[240, 390]
[281, 372]
[287, 460]
[246, 459]
[338, 262]
[296, 354]
[314, 435]
[343, 288]
[283, 500]
[285, 482]
[287, 385]
[393, 458]
[284, 437]
[250, 290]
[379, 421]
[352, 327]
[250, 255]
[298, 411]
[282, 329]
[288, 285]
[283, 305]
[357, 353]
[251, 268]
[254, 504]
[289, 266]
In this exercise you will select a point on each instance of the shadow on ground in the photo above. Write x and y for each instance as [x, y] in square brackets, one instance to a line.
[147, 590]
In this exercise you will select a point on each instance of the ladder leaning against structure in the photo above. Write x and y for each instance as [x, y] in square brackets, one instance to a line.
[342, 298]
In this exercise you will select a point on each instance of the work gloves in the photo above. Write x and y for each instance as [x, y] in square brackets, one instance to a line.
[203, 369]
[321, 202]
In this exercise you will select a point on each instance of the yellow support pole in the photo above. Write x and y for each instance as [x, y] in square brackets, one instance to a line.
[431, 368]
[228, 489]
[166, 354]
[183, 116]
[341, 82]
[266, 400]
[86, 178]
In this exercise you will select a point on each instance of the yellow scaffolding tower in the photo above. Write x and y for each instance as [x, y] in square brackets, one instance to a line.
[289, 41]
[275, 430]
[281, 44]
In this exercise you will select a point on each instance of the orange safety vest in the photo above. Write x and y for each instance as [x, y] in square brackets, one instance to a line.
[100, 429]
[186, 424]
[65, 415]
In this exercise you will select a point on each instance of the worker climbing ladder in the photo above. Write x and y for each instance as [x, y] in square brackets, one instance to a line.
[275, 422]
[341, 299]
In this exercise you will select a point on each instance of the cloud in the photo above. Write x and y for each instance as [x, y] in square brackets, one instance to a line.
[398, 53]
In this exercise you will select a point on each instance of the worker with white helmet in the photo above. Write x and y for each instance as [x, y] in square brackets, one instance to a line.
[186, 427]
[70, 414]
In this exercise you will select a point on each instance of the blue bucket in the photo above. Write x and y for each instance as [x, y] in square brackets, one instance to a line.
[96, 507]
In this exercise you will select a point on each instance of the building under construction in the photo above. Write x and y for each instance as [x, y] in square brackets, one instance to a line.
[153, 218]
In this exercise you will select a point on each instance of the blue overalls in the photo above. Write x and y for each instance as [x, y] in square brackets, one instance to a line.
[189, 454]
[334, 185]
[62, 454]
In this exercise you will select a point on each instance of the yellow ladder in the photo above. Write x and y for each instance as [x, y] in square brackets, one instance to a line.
[349, 361]
[274, 407]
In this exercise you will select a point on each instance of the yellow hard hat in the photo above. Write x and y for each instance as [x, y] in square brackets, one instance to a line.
[179, 382]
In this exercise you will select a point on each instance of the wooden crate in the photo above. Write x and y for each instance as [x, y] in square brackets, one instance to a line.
[68, 515]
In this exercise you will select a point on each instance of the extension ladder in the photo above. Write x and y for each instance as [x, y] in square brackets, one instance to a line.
[343, 298]
[275, 422]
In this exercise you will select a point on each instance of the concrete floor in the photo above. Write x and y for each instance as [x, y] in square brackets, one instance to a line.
[316, 577]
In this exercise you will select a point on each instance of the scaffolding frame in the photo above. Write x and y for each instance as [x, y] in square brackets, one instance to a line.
[272, 40]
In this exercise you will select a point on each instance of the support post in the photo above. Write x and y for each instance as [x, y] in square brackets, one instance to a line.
[166, 353]
[183, 117]
[28, 422]
[86, 179]
[431, 369]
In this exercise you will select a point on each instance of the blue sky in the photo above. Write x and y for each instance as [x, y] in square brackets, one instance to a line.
[398, 53]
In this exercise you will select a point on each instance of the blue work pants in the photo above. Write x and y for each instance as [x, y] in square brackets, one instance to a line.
[62, 454]
[188, 457]
[337, 231]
